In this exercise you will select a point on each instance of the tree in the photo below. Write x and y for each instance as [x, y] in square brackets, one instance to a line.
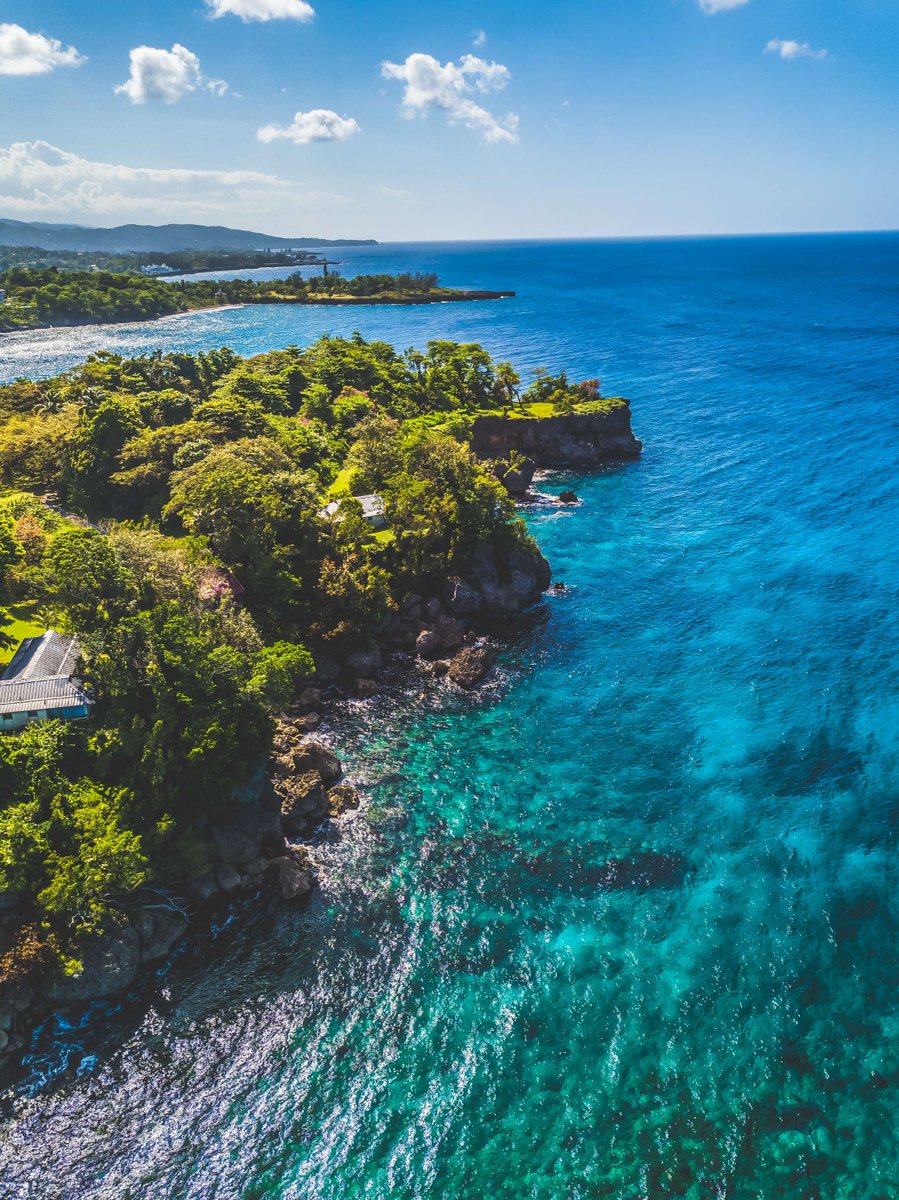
[279, 671]
[376, 455]
[11, 551]
[442, 503]
[258, 513]
[508, 382]
[24, 846]
[94, 449]
[353, 597]
[459, 376]
[84, 577]
[181, 722]
[97, 860]
[29, 533]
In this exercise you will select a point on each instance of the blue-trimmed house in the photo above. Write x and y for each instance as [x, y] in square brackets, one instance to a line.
[41, 684]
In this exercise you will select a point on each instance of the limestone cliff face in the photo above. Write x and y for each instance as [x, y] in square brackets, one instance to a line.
[575, 439]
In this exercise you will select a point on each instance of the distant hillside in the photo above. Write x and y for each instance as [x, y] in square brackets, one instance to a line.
[154, 238]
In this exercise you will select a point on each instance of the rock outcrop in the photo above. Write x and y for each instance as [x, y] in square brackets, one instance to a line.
[296, 878]
[341, 799]
[246, 843]
[304, 803]
[252, 826]
[499, 580]
[470, 665]
[515, 474]
[572, 439]
[302, 772]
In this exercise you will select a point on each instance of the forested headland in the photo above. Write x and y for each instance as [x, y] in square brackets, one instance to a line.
[125, 485]
[36, 298]
[181, 262]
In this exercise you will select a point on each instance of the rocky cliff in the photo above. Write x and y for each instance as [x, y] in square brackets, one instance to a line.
[500, 580]
[572, 439]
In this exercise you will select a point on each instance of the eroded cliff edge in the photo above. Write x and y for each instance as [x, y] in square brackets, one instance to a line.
[581, 439]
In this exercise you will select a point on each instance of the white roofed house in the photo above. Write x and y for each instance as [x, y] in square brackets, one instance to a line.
[41, 684]
[373, 512]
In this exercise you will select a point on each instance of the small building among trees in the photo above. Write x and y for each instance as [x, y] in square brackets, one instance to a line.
[373, 512]
[41, 684]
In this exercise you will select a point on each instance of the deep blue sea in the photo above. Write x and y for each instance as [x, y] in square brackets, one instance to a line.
[625, 924]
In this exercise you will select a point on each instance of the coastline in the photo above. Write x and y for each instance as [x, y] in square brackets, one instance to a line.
[323, 302]
[264, 846]
[297, 802]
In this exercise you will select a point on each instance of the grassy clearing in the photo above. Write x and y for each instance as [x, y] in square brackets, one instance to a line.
[342, 485]
[25, 623]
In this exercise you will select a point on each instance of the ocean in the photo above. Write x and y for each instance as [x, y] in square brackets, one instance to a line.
[624, 924]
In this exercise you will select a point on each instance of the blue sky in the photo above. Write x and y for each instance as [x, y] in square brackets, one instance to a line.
[568, 119]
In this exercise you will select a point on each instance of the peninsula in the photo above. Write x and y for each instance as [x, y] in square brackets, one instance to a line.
[196, 552]
[34, 298]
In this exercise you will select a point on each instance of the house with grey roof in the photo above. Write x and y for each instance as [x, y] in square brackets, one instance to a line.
[373, 512]
[40, 683]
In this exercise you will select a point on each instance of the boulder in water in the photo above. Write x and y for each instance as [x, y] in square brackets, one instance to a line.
[471, 664]
[427, 643]
[341, 799]
[303, 802]
[295, 875]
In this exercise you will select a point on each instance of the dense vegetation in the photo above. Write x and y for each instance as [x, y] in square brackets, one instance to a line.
[36, 297]
[187, 262]
[129, 484]
[39, 297]
[183, 262]
[66, 260]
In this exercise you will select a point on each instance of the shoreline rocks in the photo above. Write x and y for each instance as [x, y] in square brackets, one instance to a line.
[516, 474]
[296, 877]
[252, 840]
[471, 665]
[302, 772]
[499, 581]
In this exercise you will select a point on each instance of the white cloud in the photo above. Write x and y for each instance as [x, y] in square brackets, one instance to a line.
[400, 195]
[165, 75]
[24, 53]
[479, 38]
[714, 6]
[790, 49]
[431, 84]
[262, 10]
[317, 125]
[38, 178]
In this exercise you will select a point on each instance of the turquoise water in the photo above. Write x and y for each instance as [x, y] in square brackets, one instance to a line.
[624, 925]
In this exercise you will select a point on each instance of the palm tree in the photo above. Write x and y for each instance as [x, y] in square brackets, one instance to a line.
[508, 381]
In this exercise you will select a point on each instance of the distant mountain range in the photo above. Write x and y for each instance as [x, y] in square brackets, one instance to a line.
[149, 238]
